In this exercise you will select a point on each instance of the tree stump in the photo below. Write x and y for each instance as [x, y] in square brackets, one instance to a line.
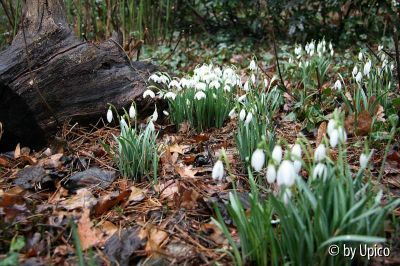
[48, 75]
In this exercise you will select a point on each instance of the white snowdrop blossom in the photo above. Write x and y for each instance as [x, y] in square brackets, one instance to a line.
[331, 126]
[149, 93]
[271, 173]
[123, 123]
[297, 51]
[252, 65]
[367, 68]
[297, 166]
[154, 116]
[232, 114]
[266, 83]
[286, 174]
[218, 171]
[151, 126]
[132, 112]
[242, 98]
[364, 159]
[174, 84]
[155, 78]
[342, 135]
[334, 138]
[164, 79]
[258, 160]
[380, 47]
[355, 71]
[200, 95]
[109, 115]
[253, 78]
[295, 156]
[277, 154]
[320, 171]
[214, 84]
[358, 77]
[249, 118]
[246, 86]
[320, 153]
[201, 86]
[338, 85]
[242, 115]
[165, 112]
[170, 95]
[360, 56]
[286, 196]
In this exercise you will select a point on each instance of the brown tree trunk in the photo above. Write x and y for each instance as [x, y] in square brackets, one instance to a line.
[48, 75]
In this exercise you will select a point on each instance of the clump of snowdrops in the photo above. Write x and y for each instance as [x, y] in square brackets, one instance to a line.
[136, 152]
[204, 99]
[319, 201]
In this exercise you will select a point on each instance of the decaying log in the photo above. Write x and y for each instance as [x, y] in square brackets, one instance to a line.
[48, 75]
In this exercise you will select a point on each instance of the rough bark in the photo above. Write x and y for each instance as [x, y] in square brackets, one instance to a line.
[48, 75]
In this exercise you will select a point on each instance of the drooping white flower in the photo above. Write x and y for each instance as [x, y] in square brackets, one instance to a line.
[149, 93]
[154, 116]
[242, 98]
[297, 50]
[165, 112]
[363, 160]
[155, 78]
[151, 126]
[286, 174]
[200, 95]
[164, 79]
[360, 56]
[242, 115]
[338, 85]
[170, 95]
[271, 173]
[320, 153]
[297, 166]
[266, 83]
[342, 135]
[355, 71]
[331, 126]
[132, 112]
[320, 171]
[214, 84]
[367, 68]
[277, 154]
[334, 138]
[123, 123]
[109, 115]
[232, 113]
[174, 83]
[246, 86]
[227, 88]
[358, 77]
[218, 170]
[286, 196]
[258, 160]
[249, 117]
[253, 78]
[252, 65]
[201, 86]
[296, 152]
[380, 47]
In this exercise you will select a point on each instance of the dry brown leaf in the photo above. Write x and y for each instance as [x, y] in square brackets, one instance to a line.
[168, 189]
[17, 152]
[188, 199]
[52, 162]
[176, 148]
[4, 162]
[214, 233]
[321, 133]
[186, 171]
[88, 235]
[136, 195]
[83, 199]
[155, 239]
[109, 201]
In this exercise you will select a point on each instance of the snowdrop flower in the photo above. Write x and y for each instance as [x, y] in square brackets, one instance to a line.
[154, 116]
[367, 68]
[338, 85]
[334, 138]
[355, 71]
[252, 65]
[132, 112]
[241, 98]
[287, 194]
[249, 117]
[320, 153]
[246, 86]
[149, 93]
[258, 159]
[295, 155]
[174, 83]
[200, 95]
[164, 79]
[214, 84]
[253, 78]
[380, 47]
[332, 52]
[201, 86]
[290, 60]
[155, 78]
[358, 77]
[151, 126]
[170, 95]
[297, 166]
[360, 56]
[271, 173]
[109, 115]
[331, 126]
[364, 160]
[165, 113]
[297, 50]
[266, 83]
[391, 67]
[320, 171]
[123, 123]
[218, 171]
[232, 113]
[286, 174]
[342, 135]
[242, 115]
[227, 88]
[277, 154]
